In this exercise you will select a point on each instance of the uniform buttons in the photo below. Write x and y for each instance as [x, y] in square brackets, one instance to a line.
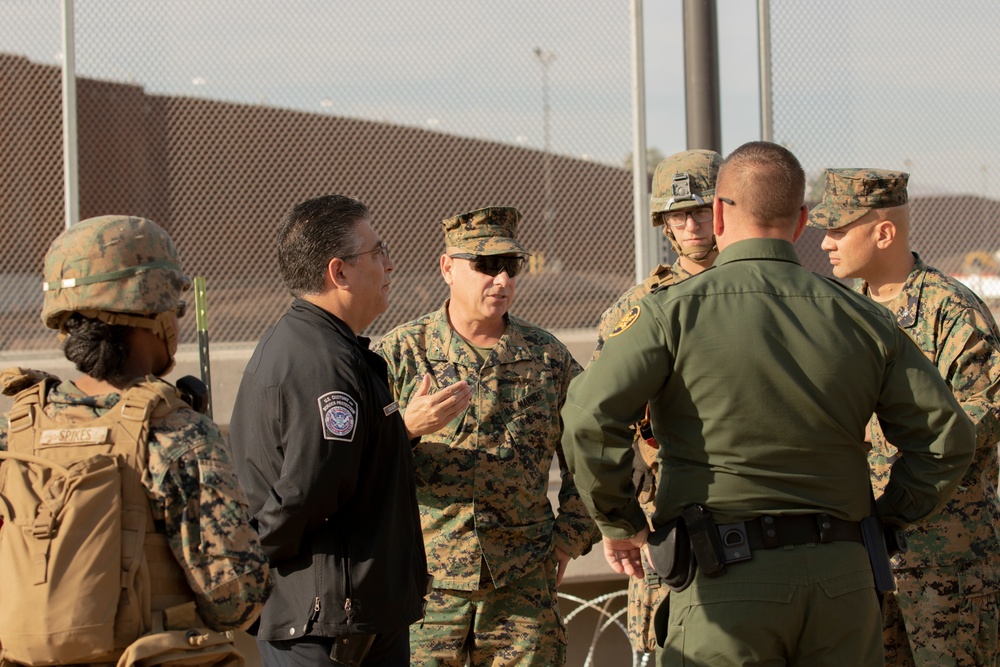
[291, 631]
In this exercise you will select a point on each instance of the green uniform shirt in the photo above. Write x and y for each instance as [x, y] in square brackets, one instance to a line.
[482, 480]
[761, 377]
[957, 332]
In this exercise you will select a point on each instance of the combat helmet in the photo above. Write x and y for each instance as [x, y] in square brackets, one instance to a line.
[683, 181]
[120, 269]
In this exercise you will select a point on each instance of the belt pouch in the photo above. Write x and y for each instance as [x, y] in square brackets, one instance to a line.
[670, 555]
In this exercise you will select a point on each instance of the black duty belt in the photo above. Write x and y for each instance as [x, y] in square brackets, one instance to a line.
[772, 532]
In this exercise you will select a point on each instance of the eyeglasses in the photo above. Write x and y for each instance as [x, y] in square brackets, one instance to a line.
[382, 247]
[492, 265]
[700, 215]
[726, 200]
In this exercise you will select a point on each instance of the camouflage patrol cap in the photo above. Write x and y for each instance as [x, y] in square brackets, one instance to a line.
[682, 181]
[850, 193]
[486, 231]
[113, 263]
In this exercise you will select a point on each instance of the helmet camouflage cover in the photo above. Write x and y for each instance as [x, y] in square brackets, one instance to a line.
[682, 181]
[112, 264]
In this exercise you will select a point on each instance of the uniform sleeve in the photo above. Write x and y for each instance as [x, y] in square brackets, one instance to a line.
[207, 523]
[969, 360]
[575, 531]
[611, 317]
[935, 439]
[323, 434]
[601, 404]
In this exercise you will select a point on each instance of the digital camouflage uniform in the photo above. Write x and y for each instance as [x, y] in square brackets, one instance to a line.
[661, 275]
[947, 604]
[193, 490]
[126, 271]
[948, 597]
[701, 167]
[482, 480]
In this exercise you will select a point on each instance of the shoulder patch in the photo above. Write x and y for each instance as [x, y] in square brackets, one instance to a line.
[339, 414]
[627, 320]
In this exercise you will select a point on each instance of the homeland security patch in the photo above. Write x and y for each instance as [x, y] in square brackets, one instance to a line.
[627, 320]
[339, 413]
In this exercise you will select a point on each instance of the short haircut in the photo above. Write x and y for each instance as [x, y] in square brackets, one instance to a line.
[766, 180]
[313, 233]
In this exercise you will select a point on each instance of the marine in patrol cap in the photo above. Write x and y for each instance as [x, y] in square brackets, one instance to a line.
[682, 181]
[851, 193]
[486, 231]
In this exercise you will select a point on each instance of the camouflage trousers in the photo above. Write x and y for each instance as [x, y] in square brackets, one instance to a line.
[517, 624]
[644, 596]
[944, 616]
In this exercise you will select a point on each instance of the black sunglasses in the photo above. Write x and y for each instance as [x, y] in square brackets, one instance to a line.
[492, 265]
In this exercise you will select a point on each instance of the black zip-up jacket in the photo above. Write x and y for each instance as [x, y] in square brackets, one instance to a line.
[322, 453]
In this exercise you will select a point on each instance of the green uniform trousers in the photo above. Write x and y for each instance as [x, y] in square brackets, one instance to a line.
[811, 605]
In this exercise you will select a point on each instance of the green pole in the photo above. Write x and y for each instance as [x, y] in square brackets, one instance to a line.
[201, 319]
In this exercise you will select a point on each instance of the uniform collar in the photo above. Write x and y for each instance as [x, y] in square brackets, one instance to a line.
[773, 249]
[311, 312]
[906, 305]
[443, 344]
[67, 393]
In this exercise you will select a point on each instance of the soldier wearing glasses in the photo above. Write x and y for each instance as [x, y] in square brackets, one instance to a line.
[683, 191]
[681, 203]
[481, 390]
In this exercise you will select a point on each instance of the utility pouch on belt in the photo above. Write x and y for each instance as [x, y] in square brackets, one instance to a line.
[706, 544]
[350, 650]
[670, 555]
[874, 540]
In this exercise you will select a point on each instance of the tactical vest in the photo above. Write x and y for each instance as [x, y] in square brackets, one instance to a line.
[74, 505]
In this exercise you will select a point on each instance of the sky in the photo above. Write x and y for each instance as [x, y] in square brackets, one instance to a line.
[895, 84]
[446, 65]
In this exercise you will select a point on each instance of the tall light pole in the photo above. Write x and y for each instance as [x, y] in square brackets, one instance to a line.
[545, 59]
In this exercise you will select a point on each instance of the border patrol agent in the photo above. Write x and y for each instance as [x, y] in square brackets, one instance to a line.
[760, 379]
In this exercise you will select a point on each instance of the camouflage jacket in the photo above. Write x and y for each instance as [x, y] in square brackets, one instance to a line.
[661, 275]
[194, 492]
[957, 332]
[482, 480]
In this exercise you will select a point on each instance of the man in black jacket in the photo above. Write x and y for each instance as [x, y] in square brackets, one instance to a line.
[324, 456]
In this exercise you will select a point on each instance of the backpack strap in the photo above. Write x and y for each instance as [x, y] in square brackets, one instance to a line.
[142, 403]
[24, 414]
[661, 275]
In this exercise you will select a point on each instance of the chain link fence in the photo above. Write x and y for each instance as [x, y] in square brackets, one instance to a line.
[214, 119]
[899, 85]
